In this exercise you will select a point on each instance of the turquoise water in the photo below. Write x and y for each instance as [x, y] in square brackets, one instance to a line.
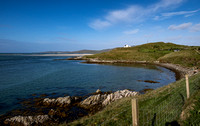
[22, 76]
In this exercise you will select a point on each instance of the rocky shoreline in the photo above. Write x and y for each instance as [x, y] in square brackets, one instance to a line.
[52, 111]
[179, 70]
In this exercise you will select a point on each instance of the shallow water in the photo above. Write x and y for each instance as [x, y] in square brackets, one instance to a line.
[22, 76]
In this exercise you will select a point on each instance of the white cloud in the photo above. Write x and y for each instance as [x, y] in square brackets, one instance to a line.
[99, 24]
[180, 27]
[132, 14]
[189, 26]
[188, 15]
[163, 4]
[130, 32]
[195, 28]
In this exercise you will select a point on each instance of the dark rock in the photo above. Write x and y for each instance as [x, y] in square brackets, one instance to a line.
[34, 94]
[53, 93]
[51, 112]
[146, 90]
[148, 81]
[43, 95]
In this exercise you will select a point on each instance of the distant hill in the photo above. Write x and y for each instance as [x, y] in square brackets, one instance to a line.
[158, 51]
[78, 52]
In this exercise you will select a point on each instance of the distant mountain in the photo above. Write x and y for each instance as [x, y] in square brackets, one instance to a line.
[78, 52]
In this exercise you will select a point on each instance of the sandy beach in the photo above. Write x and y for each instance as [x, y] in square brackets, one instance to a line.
[59, 54]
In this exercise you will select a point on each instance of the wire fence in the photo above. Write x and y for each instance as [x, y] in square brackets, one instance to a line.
[163, 108]
[168, 107]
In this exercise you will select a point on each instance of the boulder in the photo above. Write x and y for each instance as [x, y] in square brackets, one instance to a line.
[27, 120]
[60, 101]
[93, 100]
[118, 95]
[64, 100]
[105, 99]
[98, 91]
[48, 101]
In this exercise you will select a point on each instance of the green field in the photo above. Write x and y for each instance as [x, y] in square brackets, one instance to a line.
[188, 56]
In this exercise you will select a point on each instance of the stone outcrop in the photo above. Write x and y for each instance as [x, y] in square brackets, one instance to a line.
[118, 95]
[27, 120]
[105, 99]
[61, 101]
[94, 100]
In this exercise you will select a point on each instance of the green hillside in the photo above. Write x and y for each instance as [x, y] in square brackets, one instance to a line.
[159, 51]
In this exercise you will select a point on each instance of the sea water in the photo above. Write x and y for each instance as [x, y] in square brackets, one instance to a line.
[23, 76]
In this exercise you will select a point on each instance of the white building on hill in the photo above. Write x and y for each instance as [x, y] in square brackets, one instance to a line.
[126, 46]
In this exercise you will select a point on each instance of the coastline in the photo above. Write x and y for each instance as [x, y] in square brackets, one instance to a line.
[86, 104]
[179, 71]
[59, 55]
[35, 54]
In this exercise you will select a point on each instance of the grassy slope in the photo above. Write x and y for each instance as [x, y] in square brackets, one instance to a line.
[185, 58]
[160, 51]
[194, 113]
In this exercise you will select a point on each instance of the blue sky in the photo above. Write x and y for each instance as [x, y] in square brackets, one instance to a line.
[68, 25]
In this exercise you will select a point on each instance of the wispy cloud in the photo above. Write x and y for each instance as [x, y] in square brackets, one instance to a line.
[179, 13]
[132, 14]
[165, 4]
[131, 32]
[180, 27]
[189, 26]
[195, 28]
[99, 24]
[171, 14]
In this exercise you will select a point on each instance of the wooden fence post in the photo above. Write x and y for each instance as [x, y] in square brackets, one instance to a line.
[135, 112]
[187, 86]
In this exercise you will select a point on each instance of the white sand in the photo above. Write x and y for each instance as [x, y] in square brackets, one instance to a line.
[59, 54]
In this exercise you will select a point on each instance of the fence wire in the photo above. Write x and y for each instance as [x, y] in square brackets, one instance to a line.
[167, 108]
